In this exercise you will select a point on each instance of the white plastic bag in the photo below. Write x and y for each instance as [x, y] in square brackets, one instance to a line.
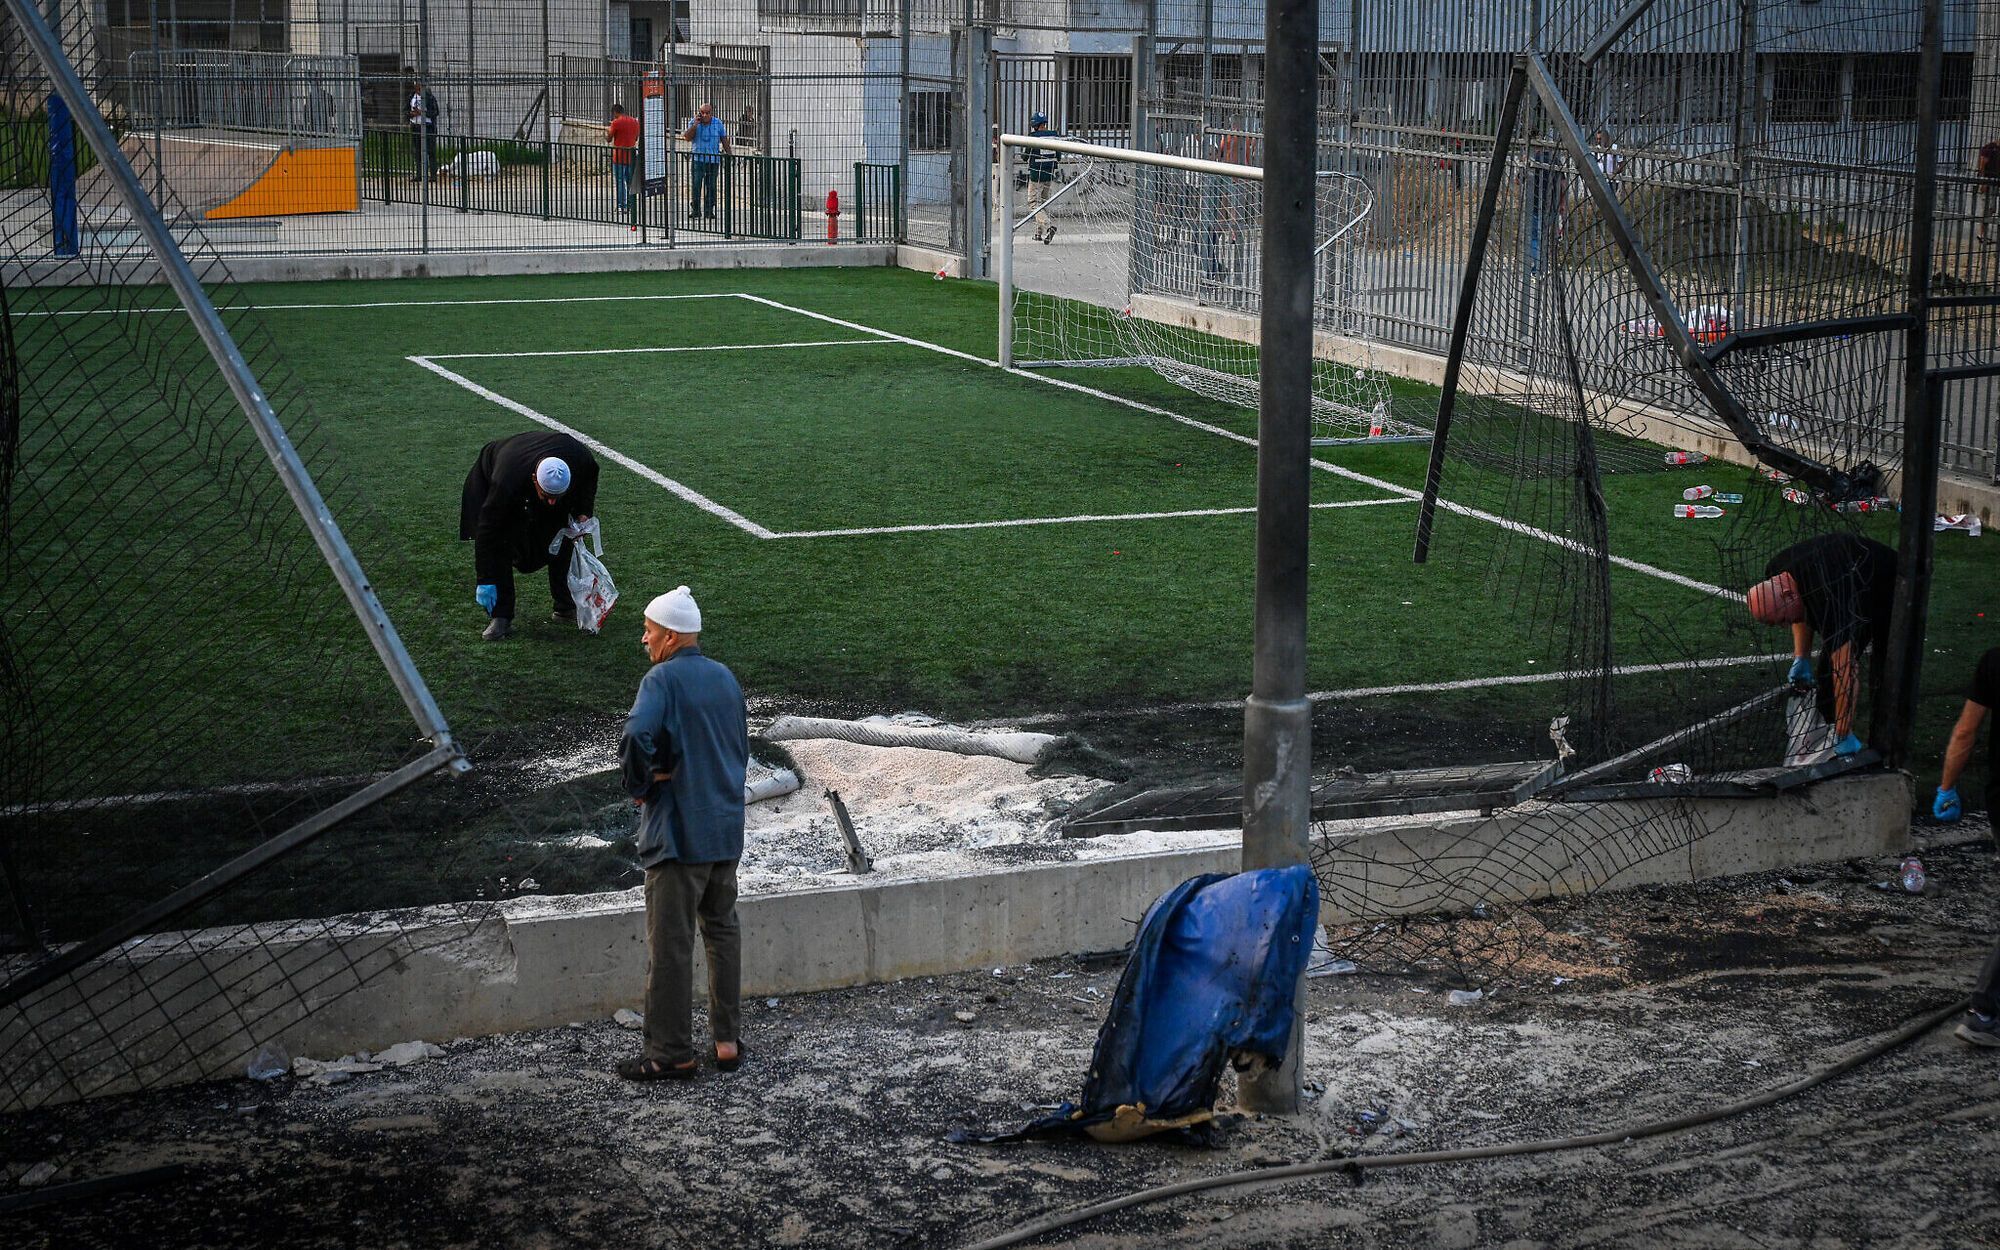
[590, 583]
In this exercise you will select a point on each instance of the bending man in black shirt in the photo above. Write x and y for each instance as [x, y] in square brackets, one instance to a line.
[520, 493]
[1840, 587]
[1981, 1025]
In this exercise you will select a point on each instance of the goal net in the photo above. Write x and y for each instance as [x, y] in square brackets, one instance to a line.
[1118, 263]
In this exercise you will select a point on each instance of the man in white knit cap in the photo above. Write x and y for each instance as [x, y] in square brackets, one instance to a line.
[685, 747]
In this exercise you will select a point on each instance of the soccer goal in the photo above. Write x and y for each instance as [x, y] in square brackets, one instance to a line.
[1109, 257]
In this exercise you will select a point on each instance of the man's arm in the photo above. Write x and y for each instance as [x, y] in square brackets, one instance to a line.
[1958, 752]
[642, 752]
[687, 136]
[728, 144]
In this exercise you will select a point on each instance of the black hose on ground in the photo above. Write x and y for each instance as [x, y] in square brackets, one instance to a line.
[1357, 1165]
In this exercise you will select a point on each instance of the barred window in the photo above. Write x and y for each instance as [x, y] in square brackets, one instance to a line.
[1098, 91]
[1805, 88]
[928, 118]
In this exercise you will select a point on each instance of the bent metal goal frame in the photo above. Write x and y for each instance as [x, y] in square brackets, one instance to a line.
[1003, 252]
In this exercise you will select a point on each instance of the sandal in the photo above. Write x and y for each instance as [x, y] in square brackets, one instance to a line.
[648, 1069]
[730, 1065]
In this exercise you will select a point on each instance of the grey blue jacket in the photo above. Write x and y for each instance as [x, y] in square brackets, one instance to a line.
[690, 723]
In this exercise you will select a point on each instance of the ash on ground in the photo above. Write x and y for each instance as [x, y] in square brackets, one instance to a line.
[833, 1133]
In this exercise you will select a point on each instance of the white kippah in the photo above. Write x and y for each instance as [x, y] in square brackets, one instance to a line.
[675, 610]
[552, 475]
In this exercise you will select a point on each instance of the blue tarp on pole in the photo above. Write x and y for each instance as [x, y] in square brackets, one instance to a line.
[1210, 978]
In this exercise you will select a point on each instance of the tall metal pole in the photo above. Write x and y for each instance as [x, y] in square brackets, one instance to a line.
[1748, 129]
[1277, 719]
[1896, 710]
[235, 370]
[548, 109]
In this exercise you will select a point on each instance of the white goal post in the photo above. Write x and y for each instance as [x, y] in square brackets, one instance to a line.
[1117, 256]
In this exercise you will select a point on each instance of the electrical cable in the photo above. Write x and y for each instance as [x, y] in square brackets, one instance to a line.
[1356, 1166]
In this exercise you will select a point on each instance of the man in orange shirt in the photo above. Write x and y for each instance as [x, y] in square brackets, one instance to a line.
[623, 132]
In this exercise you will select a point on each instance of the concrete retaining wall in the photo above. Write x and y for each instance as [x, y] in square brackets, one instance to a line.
[359, 266]
[326, 988]
[1956, 494]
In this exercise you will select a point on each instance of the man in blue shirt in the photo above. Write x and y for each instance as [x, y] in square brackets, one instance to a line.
[711, 141]
[683, 755]
[1042, 163]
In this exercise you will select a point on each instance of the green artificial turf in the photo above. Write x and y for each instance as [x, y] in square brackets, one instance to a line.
[959, 622]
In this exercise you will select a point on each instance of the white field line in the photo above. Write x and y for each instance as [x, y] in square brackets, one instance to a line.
[1063, 520]
[641, 351]
[178, 796]
[687, 493]
[744, 523]
[587, 762]
[1568, 544]
[392, 303]
[1429, 687]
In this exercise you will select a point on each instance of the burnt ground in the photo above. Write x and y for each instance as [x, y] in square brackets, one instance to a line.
[833, 1134]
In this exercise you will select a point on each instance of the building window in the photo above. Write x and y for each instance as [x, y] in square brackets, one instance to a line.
[1805, 88]
[1885, 88]
[1098, 93]
[927, 116]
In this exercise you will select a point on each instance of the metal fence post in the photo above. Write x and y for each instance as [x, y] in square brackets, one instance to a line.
[548, 117]
[1895, 711]
[1277, 718]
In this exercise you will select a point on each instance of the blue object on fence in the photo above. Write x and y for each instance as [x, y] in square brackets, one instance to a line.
[1211, 976]
[62, 178]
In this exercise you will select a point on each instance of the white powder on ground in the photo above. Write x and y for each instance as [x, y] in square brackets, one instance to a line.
[910, 807]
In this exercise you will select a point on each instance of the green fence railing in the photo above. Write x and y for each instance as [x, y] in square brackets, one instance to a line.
[756, 197]
[878, 202]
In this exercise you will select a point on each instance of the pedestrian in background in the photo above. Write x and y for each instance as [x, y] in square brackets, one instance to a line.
[1989, 182]
[424, 129]
[1042, 163]
[711, 141]
[622, 132]
[683, 755]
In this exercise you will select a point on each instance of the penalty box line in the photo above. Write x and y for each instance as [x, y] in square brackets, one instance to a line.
[690, 495]
[1478, 514]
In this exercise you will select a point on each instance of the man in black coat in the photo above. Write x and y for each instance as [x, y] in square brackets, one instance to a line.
[1838, 586]
[521, 492]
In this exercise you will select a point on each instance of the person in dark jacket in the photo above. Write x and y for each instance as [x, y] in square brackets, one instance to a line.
[683, 757]
[1838, 586]
[522, 492]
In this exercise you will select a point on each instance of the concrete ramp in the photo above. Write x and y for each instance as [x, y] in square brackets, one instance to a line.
[214, 177]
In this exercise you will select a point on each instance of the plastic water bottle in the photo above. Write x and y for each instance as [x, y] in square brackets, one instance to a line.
[1913, 875]
[1696, 510]
[1686, 457]
[1794, 494]
[1774, 475]
[1673, 774]
[1874, 503]
[1693, 493]
[1724, 496]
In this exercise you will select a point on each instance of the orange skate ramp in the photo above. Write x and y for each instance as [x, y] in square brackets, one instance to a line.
[207, 176]
[299, 180]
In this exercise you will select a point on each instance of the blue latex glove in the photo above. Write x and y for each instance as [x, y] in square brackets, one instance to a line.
[1946, 806]
[1850, 745]
[489, 598]
[1801, 672]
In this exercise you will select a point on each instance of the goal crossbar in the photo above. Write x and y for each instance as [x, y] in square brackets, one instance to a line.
[1111, 225]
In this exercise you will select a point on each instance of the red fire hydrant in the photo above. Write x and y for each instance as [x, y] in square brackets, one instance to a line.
[832, 217]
